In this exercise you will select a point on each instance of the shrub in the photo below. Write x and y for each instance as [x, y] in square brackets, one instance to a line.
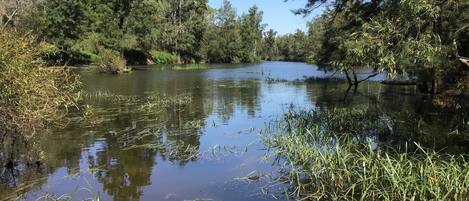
[111, 61]
[160, 57]
[32, 95]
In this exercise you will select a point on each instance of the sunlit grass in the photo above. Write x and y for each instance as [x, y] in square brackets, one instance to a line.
[326, 156]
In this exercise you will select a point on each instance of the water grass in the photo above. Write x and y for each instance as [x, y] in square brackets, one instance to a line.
[190, 67]
[328, 156]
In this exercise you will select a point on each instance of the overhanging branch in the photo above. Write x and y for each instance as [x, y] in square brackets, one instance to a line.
[369, 77]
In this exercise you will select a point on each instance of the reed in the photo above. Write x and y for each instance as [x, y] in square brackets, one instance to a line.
[325, 161]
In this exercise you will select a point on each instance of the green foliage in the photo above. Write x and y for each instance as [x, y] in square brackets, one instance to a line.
[161, 57]
[111, 61]
[89, 56]
[185, 28]
[330, 156]
[251, 30]
[418, 39]
[223, 40]
[32, 95]
[269, 46]
[293, 47]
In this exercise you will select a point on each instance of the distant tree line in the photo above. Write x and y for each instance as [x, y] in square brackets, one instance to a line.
[140, 30]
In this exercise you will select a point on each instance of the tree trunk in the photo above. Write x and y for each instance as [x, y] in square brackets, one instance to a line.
[348, 78]
[355, 78]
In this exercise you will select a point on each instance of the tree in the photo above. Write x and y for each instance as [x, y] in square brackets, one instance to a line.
[418, 39]
[269, 45]
[223, 41]
[251, 29]
[292, 47]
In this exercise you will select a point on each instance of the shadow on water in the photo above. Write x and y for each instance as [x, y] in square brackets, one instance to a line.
[436, 121]
[154, 134]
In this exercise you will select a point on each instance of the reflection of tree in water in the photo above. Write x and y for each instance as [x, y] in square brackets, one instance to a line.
[45, 157]
[172, 134]
[232, 93]
[438, 122]
[132, 136]
[124, 172]
[137, 135]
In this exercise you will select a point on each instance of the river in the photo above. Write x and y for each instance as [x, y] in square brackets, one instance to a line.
[210, 148]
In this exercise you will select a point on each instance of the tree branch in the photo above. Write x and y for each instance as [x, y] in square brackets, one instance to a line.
[369, 77]
[462, 59]
[10, 17]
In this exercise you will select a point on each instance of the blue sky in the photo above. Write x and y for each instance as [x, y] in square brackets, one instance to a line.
[277, 13]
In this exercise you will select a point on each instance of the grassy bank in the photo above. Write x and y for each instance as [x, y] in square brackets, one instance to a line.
[330, 156]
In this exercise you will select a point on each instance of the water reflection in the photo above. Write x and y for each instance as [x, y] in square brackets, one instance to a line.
[134, 147]
[435, 121]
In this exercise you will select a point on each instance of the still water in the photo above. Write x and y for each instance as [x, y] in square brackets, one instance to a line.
[208, 148]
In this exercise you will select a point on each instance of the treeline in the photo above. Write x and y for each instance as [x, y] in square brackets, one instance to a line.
[288, 47]
[142, 31]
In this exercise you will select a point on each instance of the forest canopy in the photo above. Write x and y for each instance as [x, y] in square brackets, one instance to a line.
[191, 30]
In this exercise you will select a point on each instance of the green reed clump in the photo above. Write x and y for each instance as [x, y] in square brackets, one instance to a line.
[190, 67]
[327, 157]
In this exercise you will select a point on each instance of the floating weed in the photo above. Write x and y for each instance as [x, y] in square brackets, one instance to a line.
[253, 176]
[190, 67]
[333, 161]
[193, 124]
[270, 80]
[261, 72]
[242, 131]
[79, 191]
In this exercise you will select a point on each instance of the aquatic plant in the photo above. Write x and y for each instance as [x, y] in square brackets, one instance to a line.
[331, 156]
[191, 67]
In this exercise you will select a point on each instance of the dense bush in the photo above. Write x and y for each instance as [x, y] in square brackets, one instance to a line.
[32, 95]
[161, 57]
[111, 61]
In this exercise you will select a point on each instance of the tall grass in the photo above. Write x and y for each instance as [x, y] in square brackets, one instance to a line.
[327, 156]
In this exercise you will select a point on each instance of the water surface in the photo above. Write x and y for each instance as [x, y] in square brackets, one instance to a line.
[205, 149]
